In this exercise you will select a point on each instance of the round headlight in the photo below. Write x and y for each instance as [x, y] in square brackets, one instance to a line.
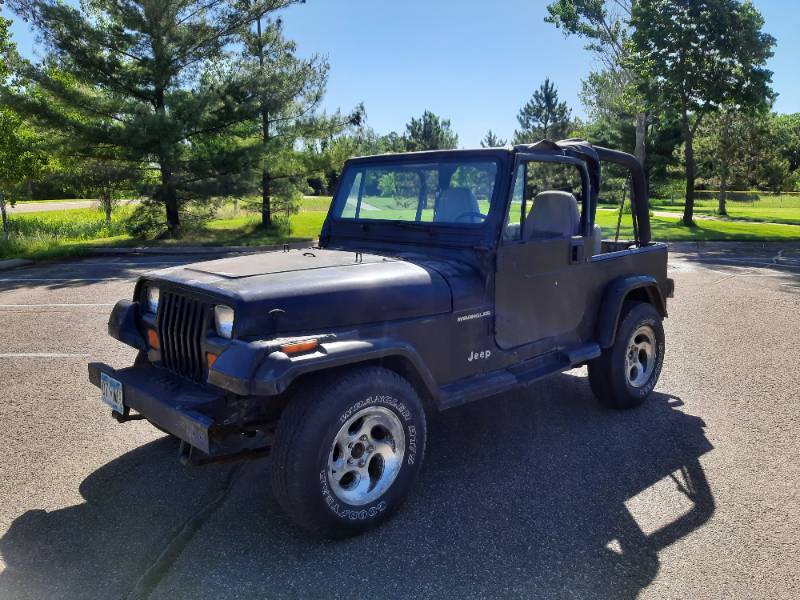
[151, 299]
[223, 321]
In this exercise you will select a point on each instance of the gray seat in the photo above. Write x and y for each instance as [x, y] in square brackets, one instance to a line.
[597, 240]
[455, 202]
[554, 214]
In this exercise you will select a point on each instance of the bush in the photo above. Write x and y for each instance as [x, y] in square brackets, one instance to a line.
[149, 219]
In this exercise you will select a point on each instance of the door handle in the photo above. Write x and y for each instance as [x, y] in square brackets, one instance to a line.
[577, 252]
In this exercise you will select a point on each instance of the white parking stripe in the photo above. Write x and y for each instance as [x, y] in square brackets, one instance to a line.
[63, 305]
[42, 355]
[751, 262]
[63, 279]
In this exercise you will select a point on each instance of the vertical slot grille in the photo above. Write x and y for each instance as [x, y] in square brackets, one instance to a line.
[180, 327]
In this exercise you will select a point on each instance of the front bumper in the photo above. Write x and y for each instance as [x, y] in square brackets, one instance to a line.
[177, 406]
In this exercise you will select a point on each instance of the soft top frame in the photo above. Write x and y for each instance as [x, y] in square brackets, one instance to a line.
[592, 156]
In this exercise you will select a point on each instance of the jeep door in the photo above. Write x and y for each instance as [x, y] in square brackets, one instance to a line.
[540, 295]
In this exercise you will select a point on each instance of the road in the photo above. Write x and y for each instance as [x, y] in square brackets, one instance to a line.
[33, 207]
[535, 494]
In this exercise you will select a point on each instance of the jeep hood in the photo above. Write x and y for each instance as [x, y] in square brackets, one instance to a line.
[314, 289]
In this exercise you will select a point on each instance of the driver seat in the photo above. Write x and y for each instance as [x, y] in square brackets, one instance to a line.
[454, 202]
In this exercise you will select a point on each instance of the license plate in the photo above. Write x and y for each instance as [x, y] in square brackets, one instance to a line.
[111, 393]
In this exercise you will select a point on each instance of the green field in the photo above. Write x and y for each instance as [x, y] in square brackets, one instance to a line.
[670, 229]
[773, 208]
[72, 232]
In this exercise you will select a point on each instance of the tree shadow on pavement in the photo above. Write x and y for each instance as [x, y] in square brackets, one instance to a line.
[74, 273]
[539, 493]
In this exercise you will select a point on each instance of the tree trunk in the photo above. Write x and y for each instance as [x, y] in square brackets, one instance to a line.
[266, 189]
[170, 199]
[641, 137]
[5, 216]
[688, 153]
[105, 200]
[167, 193]
[266, 205]
[724, 160]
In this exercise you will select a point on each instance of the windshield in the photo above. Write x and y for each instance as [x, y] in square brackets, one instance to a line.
[424, 192]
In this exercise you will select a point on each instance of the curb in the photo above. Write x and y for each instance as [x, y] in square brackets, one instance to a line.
[13, 263]
[200, 249]
[696, 245]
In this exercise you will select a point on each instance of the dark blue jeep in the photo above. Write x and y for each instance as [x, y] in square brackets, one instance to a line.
[439, 278]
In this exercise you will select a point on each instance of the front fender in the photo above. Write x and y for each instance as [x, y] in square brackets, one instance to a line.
[277, 371]
[614, 297]
[123, 324]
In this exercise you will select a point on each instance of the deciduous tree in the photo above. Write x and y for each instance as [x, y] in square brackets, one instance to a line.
[694, 56]
[20, 154]
[606, 24]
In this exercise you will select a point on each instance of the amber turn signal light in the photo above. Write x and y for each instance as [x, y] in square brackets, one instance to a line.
[211, 359]
[152, 339]
[298, 347]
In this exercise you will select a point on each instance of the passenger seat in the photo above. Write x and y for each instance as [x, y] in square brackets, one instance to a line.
[554, 214]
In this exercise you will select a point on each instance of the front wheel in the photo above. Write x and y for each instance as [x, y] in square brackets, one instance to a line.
[625, 374]
[347, 451]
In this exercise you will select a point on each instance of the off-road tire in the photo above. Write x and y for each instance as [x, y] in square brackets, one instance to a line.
[311, 427]
[609, 375]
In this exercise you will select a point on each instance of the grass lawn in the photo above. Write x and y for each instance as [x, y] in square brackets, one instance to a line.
[670, 229]
[774, 208]
[744, 212]
[72, 232]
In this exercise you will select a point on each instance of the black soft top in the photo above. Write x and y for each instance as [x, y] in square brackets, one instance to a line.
[592, 156]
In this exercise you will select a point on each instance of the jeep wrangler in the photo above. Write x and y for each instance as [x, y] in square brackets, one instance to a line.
[439, 278]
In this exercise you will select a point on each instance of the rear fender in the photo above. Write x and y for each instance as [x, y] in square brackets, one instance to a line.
[639, 287]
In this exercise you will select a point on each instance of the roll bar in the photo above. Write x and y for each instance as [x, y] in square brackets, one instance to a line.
[639, 201]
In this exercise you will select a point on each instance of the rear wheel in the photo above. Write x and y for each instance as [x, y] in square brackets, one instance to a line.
[347, 451]
[625, 374]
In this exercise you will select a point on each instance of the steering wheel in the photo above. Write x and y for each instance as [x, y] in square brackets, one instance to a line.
[470, 214]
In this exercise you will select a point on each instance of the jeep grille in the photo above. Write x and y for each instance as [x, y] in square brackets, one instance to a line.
[181, 322]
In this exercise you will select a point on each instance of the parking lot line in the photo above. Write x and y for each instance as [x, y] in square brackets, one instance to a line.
[785, 263]
[62, 279]
[43, 355]
[60, 305]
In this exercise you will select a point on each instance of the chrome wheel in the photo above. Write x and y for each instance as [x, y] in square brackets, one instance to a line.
[366, 455]
[640, 358]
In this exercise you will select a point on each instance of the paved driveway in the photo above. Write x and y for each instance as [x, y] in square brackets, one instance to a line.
[538, 493]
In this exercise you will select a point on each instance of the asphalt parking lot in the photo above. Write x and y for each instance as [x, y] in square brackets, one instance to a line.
[535, 494]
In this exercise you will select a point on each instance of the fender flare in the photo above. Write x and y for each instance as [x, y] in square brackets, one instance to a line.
[278, 371]
[613, 299]
[123, 324]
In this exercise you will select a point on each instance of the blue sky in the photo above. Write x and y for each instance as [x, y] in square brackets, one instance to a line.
[472, 61]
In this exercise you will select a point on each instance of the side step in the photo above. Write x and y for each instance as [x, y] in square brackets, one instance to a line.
[497, 382]
[582, 354]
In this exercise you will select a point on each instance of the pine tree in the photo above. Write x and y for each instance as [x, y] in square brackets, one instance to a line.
[430, 132]
[491, 140]
[139, 86]
[284, 109]
[543, 116]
